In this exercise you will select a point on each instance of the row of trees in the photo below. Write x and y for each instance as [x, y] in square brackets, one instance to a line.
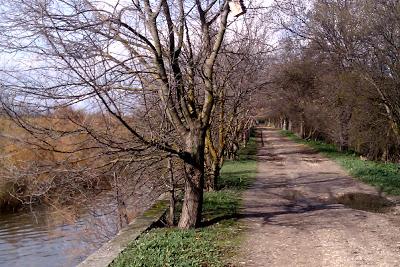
[173, 85]
[155, 80]
[337, 75]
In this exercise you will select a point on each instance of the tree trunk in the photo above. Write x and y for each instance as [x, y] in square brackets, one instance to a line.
[121, 206]
[209, 174]
[194, 181]
[344, 121]
[172, 198]
[286, 124]
[212, 176]
[192, 200]
[210, 182]
[302, 130]
[172, 204]
[216, 172]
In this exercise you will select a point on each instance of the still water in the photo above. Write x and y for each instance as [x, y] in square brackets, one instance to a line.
[34, 239]
[56, 238]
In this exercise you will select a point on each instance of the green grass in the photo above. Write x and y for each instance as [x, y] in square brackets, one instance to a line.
[249, 151]
[385, 176]
[211, 245]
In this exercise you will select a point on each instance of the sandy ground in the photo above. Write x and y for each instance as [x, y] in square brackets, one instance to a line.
[289, 223]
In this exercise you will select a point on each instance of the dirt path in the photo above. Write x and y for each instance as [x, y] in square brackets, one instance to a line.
[290, 224]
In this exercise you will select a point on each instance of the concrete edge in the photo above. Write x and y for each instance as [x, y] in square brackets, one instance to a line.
[109, 251]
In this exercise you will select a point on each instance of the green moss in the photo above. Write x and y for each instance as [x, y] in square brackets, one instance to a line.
[158, 206]
[385, 176]
[211, 245]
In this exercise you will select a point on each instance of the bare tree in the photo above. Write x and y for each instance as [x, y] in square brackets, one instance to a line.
[147, 66]
[239, 77]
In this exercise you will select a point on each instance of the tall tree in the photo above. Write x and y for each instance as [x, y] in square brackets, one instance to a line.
[148, 65]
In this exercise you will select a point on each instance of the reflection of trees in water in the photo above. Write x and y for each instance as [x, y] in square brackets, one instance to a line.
[106, 217]
[70, 226]
[65, 235]
[113, 210]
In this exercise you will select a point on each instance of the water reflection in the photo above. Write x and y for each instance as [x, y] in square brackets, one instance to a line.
[31, 239]
[61, 237]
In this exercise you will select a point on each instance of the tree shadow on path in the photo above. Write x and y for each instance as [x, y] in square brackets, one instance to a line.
[288, 209]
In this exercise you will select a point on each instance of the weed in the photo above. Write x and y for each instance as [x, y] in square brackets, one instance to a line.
[210, 245]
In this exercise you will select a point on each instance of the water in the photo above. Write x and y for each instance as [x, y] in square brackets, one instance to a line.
[366, 202]
[60, 238]
[31, 240]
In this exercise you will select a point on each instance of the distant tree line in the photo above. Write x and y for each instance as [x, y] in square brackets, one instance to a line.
[337, 74]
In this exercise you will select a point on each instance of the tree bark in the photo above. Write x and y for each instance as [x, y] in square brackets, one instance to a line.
[194, 180]
[192, 200]
[302, 128]
[172, 198]
[212, 176]
[344, 122]
[216, 173]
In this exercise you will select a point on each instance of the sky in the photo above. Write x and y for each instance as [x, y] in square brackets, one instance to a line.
[21, 60]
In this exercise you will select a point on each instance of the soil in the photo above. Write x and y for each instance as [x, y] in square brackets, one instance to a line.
[292, 214]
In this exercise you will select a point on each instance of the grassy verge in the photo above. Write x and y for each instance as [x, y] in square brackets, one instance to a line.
[386, 176]
[211, 245]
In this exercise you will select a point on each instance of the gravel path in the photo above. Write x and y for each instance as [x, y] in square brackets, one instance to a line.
[289, 223]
